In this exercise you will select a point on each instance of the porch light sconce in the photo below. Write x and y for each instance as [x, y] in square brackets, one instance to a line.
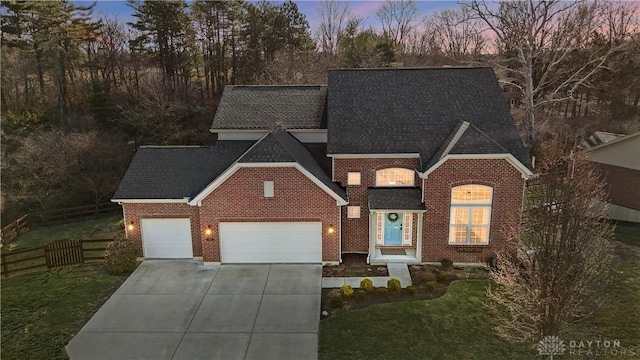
[208, 231]
[130, 226]
[331, 229]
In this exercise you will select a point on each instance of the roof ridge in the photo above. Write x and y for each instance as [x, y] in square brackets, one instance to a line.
[463, 126]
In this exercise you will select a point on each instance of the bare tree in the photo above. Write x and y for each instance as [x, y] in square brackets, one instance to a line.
[334, 17]
[563, 265]
[552, 48]
[455, 34]
[397, 18]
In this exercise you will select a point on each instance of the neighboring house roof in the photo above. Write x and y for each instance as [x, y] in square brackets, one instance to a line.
[262, 107]
[395, 199]
[279, 146]
[398, 111]
[176, 172]
[599, 138]
[623, 152]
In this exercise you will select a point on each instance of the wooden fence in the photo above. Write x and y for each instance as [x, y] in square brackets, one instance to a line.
[57, 254]
[24, 223]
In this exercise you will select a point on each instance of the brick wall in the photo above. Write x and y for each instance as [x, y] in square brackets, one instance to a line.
[355, 232]
[506, 209]
[297, 198]
[623, 185]
[135, 212]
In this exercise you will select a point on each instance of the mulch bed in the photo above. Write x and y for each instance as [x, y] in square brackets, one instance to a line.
[354, 265]
[430, 282]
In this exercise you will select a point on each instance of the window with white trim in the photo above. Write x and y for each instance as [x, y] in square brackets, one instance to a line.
[353, 212]
[395, 177]
[470, 214]
[268, 189]
[353, 178]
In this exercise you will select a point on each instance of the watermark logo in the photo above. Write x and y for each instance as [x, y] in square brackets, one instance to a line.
[551, 345]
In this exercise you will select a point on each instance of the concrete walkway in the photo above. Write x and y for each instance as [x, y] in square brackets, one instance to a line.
[398, 271]
[184, 310]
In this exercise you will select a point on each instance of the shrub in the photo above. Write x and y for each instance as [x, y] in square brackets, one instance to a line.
[446, 264]
[491, 262]
[422, 278]
[430, 286]
[382, 291]
[346, 291]
[361, 295]
[366, 285]
[411, 290]
[120, 256]
[337, 302]
[394, 285]
[441, 277]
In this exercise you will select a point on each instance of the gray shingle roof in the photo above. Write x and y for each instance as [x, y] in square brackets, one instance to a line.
[171, 172]
[395, 199]
[262, 107]
[373, 111]
[280, 146]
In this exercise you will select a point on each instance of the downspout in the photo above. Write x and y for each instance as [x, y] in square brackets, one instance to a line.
[340, 233]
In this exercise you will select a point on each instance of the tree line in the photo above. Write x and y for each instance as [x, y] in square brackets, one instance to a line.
[81, 90]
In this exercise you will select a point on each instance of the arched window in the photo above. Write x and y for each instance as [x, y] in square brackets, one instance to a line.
[395, 177]
[470, 214]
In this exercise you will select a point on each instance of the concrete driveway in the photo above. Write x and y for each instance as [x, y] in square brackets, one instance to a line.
[184, 310]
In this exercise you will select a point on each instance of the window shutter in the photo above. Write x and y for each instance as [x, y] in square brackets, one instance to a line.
[379, 228]
[407, 222]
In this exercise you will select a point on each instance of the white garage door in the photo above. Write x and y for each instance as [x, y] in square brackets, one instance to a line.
[271, 242]
[166, 238]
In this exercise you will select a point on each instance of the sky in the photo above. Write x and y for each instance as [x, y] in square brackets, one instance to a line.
[365, 8]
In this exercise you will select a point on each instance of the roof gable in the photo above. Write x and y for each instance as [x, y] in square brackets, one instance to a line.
[378, 111]
[261, 107]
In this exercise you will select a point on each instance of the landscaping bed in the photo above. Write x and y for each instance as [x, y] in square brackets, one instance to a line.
[354, 265]
[429, 282]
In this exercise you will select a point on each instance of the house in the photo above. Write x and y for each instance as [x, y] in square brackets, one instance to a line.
[617, 158]
[404, 165]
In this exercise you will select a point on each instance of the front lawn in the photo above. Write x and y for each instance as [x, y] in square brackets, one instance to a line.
[628, 233]
[454, 326]
[105, 227]
[41, 311]
[458, 326]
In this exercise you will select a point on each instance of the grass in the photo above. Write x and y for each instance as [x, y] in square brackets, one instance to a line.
[454, 326]
[628, 234]
[42, 311]
[106, 227]
[458, 326]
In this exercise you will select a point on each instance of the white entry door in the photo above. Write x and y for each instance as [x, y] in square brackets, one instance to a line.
[271, 242]
[166, 238]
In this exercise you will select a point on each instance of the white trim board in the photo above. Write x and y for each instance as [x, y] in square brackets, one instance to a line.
[151, 201]
[526, 173]
[373, 156]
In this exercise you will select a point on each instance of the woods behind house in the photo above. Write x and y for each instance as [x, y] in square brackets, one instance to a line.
[81, 90]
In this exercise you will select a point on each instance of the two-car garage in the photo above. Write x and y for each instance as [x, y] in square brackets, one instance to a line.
[240, 242]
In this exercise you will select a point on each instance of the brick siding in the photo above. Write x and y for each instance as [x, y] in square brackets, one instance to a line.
[355, 232]
[623, 185]
[135, 212]
[508, 186]
[297, 198]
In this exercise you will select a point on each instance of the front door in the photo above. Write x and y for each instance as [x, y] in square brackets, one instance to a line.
[393, 229]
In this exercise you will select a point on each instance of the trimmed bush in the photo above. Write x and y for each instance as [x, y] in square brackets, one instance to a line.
[394, 285]
[411, 290]
[366, 285]
[422, 278]
[337, 302]
[382, 291]
[120, 256]
[346, 291]
[430, 286]
[491, 262]
[361, 295]
[446, 264]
